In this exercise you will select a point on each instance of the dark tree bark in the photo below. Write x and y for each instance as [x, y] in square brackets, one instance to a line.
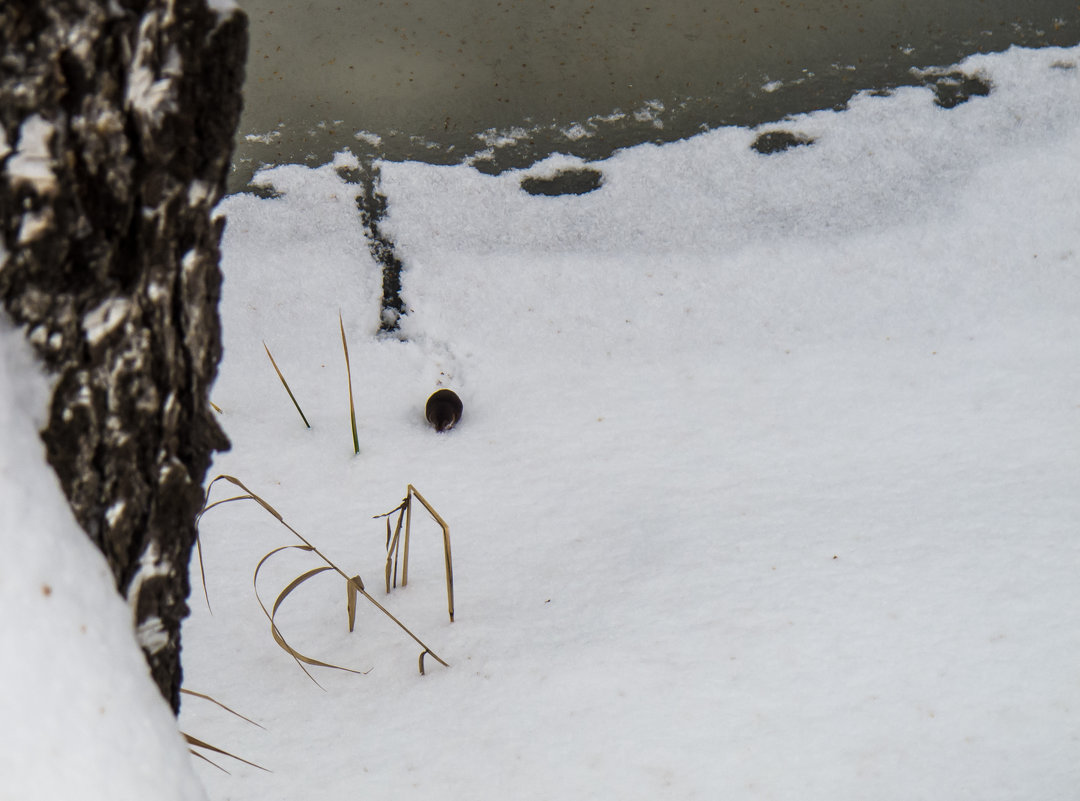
[116, 126]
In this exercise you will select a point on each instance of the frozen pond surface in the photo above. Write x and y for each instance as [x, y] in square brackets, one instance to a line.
[513, 80]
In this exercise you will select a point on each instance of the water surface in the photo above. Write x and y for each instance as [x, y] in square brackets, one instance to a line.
[505, 82]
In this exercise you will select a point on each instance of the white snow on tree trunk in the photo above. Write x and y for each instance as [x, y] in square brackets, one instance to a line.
[81, 716]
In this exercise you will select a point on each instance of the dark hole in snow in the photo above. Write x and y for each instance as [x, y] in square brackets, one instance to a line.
[778, 141]
[577, 181]
[443, 409]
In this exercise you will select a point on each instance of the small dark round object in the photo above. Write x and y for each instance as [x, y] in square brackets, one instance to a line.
[443, 409]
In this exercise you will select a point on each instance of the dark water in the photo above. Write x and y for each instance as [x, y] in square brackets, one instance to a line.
[506, 82]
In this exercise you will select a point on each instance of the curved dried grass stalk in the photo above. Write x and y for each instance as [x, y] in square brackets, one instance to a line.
[198, 540]
[354, 585]
[393, 542]
[300, 658]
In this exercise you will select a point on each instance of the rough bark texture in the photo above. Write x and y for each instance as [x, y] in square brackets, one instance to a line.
[116, 127]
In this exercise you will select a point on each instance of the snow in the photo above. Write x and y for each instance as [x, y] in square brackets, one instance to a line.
[101, 321]
[224, 7]
[31, 164]
[115, 512]
[150, 634]
[199, 192]
[146, 94]
[265, 139]
[367, 137]
[81, 716]
[766, 484]
[34, 225]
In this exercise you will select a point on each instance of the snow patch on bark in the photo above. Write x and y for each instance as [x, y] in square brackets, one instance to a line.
[104, 319]
[151, 635]
[223, 6]
[34, 225]
[32, 163]
[151, 566]
[114, 513]
[149, 96]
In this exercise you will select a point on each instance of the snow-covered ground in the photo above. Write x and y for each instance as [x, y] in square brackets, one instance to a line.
[80, 716]
[768, 482]
[767, 486]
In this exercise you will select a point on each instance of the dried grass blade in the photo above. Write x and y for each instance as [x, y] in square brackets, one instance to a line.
[397, 545]
[447, 558]
[408, 531]
[237, 482]
[206, 509]
[193, 752]
[195, 741]
[387, 556]
[357, 586]
[216, 701]
[202, 571]
[207, 506]
[397, 508]
[300, 658]
[348, 374]
[296, 582]
[403, 627]
[392, 539]
[352, 587]
[198, 539]
[392, 546]
[273, 626]
[285, 384]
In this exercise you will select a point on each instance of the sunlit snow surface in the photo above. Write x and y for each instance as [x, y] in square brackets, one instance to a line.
[767, 486]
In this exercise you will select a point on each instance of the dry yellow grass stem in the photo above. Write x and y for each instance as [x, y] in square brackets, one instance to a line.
[393, 542]
[285, 384]
[213, 700]
[354, 586]
[197, 743]
[348, 374]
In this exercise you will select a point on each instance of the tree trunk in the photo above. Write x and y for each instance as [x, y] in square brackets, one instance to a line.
[116, 127]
